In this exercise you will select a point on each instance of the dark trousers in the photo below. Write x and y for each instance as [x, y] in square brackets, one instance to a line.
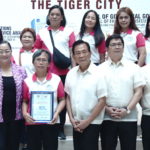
[125, 131]
[10, 135]
[45, 136]
[145, 125]
[88, 140]
[23, 139]
[62, 115]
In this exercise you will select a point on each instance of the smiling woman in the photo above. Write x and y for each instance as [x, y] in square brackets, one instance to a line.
[90, 31]
[11, 80]
[27, 38]
[5, 53]
[134, 48]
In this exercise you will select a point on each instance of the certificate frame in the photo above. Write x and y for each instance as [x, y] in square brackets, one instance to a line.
[42, 106]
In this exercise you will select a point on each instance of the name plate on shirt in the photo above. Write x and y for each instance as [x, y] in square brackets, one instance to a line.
[42, 106]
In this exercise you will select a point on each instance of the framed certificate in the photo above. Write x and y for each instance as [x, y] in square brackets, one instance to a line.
[42, 106]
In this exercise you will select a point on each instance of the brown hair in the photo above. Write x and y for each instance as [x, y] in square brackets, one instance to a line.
[32, 31]
[117, 27]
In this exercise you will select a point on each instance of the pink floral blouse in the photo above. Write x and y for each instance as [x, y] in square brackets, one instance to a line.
[19, 75]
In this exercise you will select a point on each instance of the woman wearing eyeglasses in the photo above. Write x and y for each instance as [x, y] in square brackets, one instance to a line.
[42, 135]
[11, 80]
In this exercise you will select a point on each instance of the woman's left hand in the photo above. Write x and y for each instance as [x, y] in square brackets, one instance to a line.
[83, 124]
[54, 120]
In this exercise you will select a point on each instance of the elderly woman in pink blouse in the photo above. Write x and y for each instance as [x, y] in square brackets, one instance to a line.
[11, 79]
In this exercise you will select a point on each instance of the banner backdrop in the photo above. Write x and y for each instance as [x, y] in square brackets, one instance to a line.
[18, 14]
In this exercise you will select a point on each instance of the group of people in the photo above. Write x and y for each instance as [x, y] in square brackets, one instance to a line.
[100, 89]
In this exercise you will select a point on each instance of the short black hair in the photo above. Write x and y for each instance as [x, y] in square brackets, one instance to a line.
[114, 36]
[78, 42]
[39, 52]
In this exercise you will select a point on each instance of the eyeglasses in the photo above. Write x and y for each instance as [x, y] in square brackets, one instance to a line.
[41, 60]
[4, 52]
[113, 45]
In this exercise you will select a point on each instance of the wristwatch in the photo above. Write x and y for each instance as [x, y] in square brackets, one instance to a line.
[128, 110]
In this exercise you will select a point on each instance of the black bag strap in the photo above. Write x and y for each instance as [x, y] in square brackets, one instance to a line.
[51, 36]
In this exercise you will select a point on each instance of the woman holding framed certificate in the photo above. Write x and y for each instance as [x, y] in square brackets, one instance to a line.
[11, 80]
[43, 101]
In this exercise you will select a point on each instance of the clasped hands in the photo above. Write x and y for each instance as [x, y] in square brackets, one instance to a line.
[116, 113]
[80, 125]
